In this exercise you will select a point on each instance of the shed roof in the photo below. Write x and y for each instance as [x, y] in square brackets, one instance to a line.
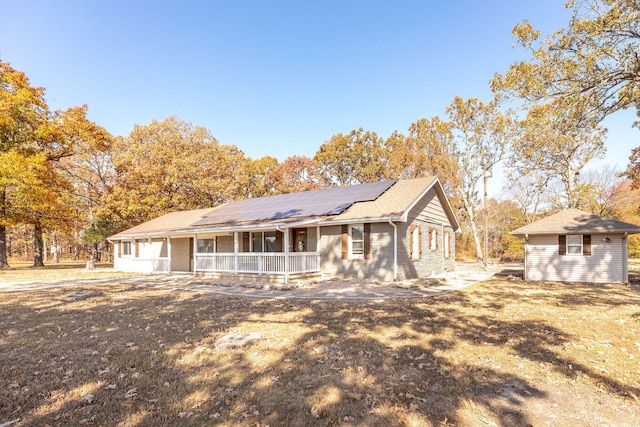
[574, 221]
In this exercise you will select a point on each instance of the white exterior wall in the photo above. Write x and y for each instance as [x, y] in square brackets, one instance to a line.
[149, 251]
[606, 264]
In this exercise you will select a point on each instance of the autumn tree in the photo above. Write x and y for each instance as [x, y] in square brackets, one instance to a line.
[297, 173]
[22, 110]
[529, 193]
[171, 165]
[557, 140]
[593, 61]
[350, 159]
[428, 150]
[482, 133]
[257, 174]
[591, 65]
[38, 139]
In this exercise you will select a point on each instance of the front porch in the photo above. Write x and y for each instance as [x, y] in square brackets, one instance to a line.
[274, 255]
[258, 263]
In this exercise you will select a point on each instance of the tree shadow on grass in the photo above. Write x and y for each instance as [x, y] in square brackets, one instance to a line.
[149, 358]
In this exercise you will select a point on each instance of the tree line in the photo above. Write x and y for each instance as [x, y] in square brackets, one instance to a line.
[65, 178]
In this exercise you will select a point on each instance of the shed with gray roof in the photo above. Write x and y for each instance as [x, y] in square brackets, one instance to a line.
[385, 230]
[577, 246]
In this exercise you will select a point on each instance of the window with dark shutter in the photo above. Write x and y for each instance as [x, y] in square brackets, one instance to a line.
[562, 244]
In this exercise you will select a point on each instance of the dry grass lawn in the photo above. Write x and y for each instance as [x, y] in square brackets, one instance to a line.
[500, 353]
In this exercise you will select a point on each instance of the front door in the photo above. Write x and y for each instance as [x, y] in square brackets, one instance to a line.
[299, 240]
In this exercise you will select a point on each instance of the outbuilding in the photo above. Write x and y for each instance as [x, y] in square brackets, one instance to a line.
[576, 246]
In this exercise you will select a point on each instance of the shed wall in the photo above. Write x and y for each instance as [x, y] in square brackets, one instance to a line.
[606, 264]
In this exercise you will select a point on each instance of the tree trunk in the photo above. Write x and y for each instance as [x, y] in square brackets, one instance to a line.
[55, 249]
[474, 228]
[4, 261]
[94, 252]
[38, 244]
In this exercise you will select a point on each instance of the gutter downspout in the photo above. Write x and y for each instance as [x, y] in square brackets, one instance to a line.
[395, 250]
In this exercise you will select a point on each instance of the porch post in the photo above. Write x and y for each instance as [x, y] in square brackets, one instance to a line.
[169, 253]
[286, 255]
[195, 252]
[235, 251]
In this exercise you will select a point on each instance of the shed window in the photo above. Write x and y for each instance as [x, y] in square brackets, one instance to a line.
[126, 248]
[574, 245]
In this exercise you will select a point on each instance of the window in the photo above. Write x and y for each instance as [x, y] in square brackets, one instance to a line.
[447, 244]
[433, 239]
[574, 245]
[256, 242]
[415, 241]
[206, 246]
[126, 248]
[273, 241]
[356, 241]
[356, 236]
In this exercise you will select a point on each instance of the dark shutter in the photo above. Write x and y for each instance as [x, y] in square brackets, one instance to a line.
[419, 242]
[120, 248]
[412, 228]
[586, 245]
[137, 248]
[367, 241]
[345, 242]
[562, 244]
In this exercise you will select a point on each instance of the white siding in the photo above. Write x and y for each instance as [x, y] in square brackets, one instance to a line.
[606, 264]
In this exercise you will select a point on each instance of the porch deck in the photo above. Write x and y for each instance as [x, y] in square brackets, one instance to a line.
[255, 263]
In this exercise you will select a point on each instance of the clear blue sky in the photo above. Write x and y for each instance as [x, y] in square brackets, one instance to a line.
[274, 77]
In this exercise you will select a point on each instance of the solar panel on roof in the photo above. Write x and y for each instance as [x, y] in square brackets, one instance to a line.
[329, 201]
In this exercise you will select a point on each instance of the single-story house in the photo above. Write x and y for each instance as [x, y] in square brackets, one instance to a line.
[576, 246]
[387, 230]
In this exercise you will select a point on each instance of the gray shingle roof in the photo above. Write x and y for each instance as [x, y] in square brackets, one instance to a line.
[574, 221]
